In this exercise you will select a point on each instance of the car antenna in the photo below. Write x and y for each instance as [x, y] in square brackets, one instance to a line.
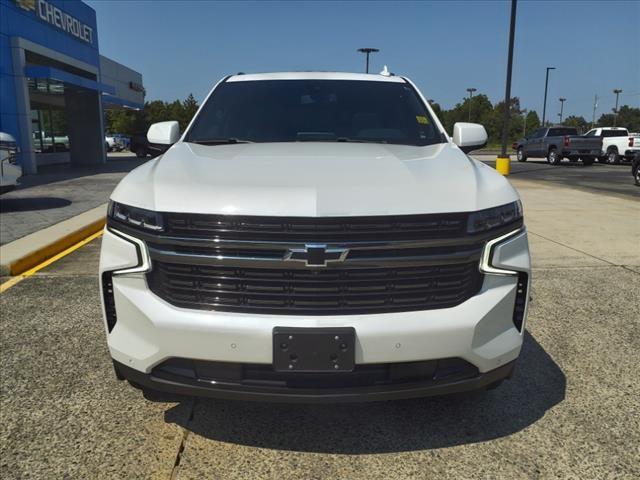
[385, 72]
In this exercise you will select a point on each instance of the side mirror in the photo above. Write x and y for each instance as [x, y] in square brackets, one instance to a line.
[164, 133]
[469, 136]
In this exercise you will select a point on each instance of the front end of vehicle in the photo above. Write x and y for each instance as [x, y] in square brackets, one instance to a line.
[218, 305]
[10, 171]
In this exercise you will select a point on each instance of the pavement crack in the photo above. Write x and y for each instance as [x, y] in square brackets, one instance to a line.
[574, 249]
[183, 442]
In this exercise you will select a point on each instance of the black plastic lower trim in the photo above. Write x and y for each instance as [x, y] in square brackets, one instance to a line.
[393, 391]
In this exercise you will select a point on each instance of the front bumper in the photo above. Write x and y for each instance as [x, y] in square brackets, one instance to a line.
[183, 385]
[9, 174]
[480, 331]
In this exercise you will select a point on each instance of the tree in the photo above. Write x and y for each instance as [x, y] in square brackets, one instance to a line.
[480, 108]
[578, 122]
[628, 117]
[189, 109]
[494, 120]
[533, 121]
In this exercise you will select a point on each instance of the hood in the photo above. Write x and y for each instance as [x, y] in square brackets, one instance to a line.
[312, 179]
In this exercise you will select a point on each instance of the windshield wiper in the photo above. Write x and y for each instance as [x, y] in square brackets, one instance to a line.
[219, 141]
[339, 139]
[357, 140]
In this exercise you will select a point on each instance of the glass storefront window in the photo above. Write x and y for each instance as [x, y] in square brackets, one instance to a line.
[49, 127]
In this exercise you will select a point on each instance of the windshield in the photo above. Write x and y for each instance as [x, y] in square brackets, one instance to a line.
[314, 110]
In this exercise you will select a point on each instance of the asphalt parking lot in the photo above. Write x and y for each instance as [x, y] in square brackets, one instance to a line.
[597, 178]
[571, 411]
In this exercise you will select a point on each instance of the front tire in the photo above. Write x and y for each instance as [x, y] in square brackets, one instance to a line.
[520, 155]
[612, 157]
[636, 175]
[588, 161]
[553, 157]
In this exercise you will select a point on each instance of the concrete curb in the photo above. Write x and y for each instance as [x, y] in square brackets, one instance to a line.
[27, 252]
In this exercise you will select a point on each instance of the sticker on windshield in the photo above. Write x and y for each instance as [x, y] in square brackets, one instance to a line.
[422, 119]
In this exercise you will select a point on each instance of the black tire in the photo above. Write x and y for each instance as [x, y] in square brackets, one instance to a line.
[636, 175]
[588, 161]
[612, 157]
[553, 157]
[520, 155]
[141, 152]
[573, 159]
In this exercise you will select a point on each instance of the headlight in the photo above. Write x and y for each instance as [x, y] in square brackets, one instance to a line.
[135, 217]
[491, 218]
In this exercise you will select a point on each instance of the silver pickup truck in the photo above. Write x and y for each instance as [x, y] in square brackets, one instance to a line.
[556, 143]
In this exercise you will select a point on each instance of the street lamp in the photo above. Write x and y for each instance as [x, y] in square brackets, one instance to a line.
[546, 85]
[471, 90]
[562, 100]
[617, 91]
[368, 51]
[503, 162]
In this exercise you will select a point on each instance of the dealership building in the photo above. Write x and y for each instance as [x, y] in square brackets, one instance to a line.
[54, 84]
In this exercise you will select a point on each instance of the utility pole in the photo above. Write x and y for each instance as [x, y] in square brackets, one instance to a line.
[546, 86]
[595, 105]
[503, 162]
[524, 128]
[367, 51]
[617, 91]
[470, 90]
[562, 100]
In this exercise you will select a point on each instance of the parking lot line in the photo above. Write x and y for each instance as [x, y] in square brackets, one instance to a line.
[17, 279]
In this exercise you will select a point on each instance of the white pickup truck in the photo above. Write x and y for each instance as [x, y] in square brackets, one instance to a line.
[615, 141]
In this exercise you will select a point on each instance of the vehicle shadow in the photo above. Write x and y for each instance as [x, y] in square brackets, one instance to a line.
[384, 427]
[28, 204]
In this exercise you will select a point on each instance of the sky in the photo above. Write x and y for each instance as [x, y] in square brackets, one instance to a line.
[183, 47]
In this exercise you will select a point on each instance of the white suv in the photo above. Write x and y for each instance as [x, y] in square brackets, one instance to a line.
[315, 237]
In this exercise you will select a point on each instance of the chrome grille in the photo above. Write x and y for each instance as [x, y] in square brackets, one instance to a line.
[315, 291]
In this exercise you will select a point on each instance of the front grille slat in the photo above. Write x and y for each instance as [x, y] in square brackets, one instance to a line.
[319, 229]
[313, 292]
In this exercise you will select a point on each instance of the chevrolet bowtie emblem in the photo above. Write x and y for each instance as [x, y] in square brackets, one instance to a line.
[316, 255]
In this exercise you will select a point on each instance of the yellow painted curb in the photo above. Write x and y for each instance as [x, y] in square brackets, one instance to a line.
[24, 275]
[503, 165]
[34, 258]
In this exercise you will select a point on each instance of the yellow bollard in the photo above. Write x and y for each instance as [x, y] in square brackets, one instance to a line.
[503, 165]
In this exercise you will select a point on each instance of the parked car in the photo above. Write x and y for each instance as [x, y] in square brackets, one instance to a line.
[556, 143]
[114, 142]
[315, 237]
[614, 143]
[633, 154]
[10, 171]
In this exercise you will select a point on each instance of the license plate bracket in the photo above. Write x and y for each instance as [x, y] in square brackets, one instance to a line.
[319, 350]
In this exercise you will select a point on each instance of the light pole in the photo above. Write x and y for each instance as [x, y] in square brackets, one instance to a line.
[524, 117]
[503, 161]
[367, 51]
[546, 85]
[562, 100]
[470, 90]
[617, 91]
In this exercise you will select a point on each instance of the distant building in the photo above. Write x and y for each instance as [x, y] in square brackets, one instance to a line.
[55, 85]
